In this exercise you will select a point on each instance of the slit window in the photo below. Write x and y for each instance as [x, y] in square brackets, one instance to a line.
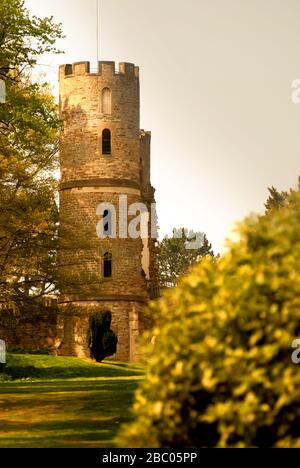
[107, 222]
[106, 141]
[107, 265]
[106, 101]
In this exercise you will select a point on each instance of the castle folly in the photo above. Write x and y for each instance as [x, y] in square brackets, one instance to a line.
[104, 156]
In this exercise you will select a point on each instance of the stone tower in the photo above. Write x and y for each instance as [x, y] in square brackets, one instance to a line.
[105, 159]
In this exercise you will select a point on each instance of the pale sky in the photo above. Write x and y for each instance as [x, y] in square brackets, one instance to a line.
[215, 92]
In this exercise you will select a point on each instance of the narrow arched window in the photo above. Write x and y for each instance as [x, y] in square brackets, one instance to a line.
[107, 227]
[107, 265]
[106, 101]
[106, 141]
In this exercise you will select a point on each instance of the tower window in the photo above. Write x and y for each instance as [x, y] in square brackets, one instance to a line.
[107, 227]
[106, 101]
[107, 265]
[106, 141]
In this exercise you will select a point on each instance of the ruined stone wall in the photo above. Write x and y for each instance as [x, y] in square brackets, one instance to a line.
[64, 331]
[29, 330]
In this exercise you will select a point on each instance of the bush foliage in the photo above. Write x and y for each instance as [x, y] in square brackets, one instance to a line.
[221, 374]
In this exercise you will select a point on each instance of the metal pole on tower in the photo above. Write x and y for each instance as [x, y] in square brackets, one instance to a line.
[97, 2]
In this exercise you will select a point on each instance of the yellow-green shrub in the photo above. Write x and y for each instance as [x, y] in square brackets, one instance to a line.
[221, 372]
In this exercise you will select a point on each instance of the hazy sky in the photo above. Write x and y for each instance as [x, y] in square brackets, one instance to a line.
[215, 92]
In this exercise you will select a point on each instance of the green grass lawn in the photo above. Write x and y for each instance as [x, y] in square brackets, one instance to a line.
[64, 401]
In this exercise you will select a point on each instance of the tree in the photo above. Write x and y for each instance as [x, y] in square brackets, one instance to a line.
[23, 39]
[222, 372]
[276, 199]
[29, 126]
[279, 199]
[178, 253]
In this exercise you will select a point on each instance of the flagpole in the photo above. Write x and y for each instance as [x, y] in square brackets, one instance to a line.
[97, 1]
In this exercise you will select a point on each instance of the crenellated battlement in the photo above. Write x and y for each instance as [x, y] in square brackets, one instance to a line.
[106, 69]
[145, 134]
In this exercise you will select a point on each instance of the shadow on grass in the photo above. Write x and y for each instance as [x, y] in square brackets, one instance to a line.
[20, 372]
[64, 414]
[53, 367]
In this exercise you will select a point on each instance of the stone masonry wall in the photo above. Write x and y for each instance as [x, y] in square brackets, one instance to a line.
[80, 107]
[126, 323]
[82, 254]
[29, 330]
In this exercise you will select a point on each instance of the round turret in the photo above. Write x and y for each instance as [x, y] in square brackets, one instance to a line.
[104, 160]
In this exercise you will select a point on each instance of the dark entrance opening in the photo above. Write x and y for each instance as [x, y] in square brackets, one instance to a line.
[102, 340]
